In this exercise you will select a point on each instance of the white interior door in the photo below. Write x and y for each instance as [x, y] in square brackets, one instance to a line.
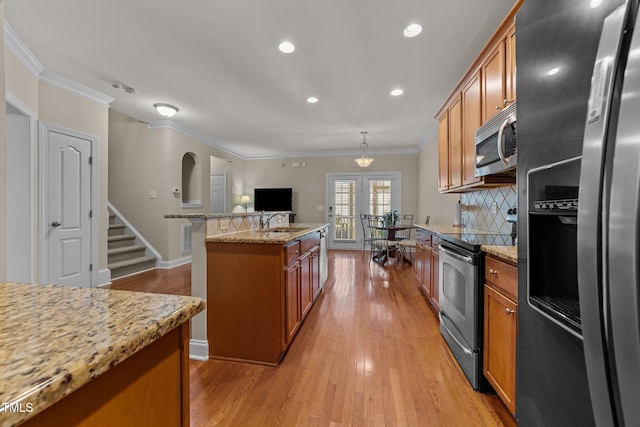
[349, 196]
[218, 193]
[68, 216]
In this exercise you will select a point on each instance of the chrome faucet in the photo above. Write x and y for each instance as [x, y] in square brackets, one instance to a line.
[263, 221]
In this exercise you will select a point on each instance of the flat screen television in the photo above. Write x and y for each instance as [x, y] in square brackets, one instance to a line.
[272, 199]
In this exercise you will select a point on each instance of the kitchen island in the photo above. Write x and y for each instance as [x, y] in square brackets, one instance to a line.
[261, 284]
[81, 356]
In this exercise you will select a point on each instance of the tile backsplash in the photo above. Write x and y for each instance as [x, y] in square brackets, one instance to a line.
[477, 208]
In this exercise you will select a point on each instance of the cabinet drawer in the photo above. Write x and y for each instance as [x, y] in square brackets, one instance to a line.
[309, 242]
[291, 252]
[502, 275]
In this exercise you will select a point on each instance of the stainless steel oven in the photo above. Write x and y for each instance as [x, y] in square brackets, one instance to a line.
[461, 307]
[496, 152]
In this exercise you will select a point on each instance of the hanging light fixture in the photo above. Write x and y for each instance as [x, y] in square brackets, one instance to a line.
[364, 161]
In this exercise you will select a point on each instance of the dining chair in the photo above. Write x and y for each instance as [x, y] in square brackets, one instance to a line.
[406, 245]
[366, 232]
[381, 246]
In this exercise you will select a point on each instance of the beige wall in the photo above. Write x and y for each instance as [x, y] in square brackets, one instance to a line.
[439, 206]
[143, 160]
[3, 157]
[309, 183]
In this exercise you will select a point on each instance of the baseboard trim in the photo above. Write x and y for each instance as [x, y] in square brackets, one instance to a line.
[199, 350]
[175, 262]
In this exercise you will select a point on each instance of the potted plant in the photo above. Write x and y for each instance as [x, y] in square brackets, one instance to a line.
[391, 217]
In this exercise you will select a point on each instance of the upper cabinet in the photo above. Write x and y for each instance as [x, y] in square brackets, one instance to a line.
[486, 89]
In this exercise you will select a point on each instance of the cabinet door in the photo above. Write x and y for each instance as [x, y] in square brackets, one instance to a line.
[500, 330]
[510, 47]
[292, 299]
[471, 121]
[419, 264]
[435, 279]
[315, 272]
[443, 152]
[455, 144]
[306, 294]
[426, 272]
[493, 72]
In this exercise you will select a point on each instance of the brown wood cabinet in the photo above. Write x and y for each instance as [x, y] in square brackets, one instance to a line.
[427, 271]
[443, 152]
[500, 329]
[258, 295]
[471, 121]
[485, 89]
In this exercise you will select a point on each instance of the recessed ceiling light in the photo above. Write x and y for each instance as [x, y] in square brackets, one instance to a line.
[595, 3]
[312, 100]
[553, 71]
[286, 47]
[397, 92]
[412, 30]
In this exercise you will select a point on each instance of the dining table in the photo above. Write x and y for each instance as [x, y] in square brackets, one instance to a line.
[381, 256]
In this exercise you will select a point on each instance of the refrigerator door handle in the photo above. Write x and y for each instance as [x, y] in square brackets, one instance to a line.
[623, 256]
[591, 269]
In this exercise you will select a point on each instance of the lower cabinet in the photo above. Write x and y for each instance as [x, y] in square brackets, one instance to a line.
[258, 295]
[500, 329]
[427, 257]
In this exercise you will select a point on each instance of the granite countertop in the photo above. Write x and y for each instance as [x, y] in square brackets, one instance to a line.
[210, 215]
[267, 236]
[506, 253]
[55, 339]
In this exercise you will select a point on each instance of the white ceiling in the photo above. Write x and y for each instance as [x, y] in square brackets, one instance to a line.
[218, 61]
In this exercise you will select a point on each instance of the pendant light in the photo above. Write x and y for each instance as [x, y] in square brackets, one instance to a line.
[364, 161]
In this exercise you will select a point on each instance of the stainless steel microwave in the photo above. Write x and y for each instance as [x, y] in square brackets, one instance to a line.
[496, 152]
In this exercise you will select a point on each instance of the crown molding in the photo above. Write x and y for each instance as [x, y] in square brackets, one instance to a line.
[169, 124]
[65, 84]
[28, 59]
[21, 51]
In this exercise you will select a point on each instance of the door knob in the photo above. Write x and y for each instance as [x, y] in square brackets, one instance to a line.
[55, 224]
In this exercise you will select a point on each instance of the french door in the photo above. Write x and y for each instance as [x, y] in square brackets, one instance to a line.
[349, 195]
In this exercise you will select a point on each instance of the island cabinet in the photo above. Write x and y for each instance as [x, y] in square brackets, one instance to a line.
[259, 294]
[501, 328]
[427, 257]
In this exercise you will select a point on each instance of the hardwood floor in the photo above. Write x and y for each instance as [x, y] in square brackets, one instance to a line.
[369, 353]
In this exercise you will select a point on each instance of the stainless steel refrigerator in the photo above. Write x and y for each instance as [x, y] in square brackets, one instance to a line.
[578, 141]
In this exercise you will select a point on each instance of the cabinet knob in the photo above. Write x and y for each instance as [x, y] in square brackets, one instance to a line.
[509, 311]
[498, 107]
[492, 271]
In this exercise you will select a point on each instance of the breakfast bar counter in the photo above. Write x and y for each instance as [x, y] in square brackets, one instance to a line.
[80, 355]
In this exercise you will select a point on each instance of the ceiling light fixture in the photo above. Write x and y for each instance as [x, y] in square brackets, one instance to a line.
[397, 92]
[364, 161]
[286, 47]
[166, 110]
[412, 30]
[312, 100]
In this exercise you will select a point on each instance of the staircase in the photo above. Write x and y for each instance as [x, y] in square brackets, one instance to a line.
[125, 254]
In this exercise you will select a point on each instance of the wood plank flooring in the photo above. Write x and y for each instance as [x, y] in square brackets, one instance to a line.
[370, 353]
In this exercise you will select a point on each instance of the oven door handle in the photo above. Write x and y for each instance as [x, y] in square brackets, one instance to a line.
[499, 142]
[463, 258]
[453, 336]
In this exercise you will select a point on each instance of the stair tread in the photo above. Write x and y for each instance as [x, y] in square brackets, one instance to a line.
[121, 237]
[115, 226]
[124, 249]
[133, 261]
